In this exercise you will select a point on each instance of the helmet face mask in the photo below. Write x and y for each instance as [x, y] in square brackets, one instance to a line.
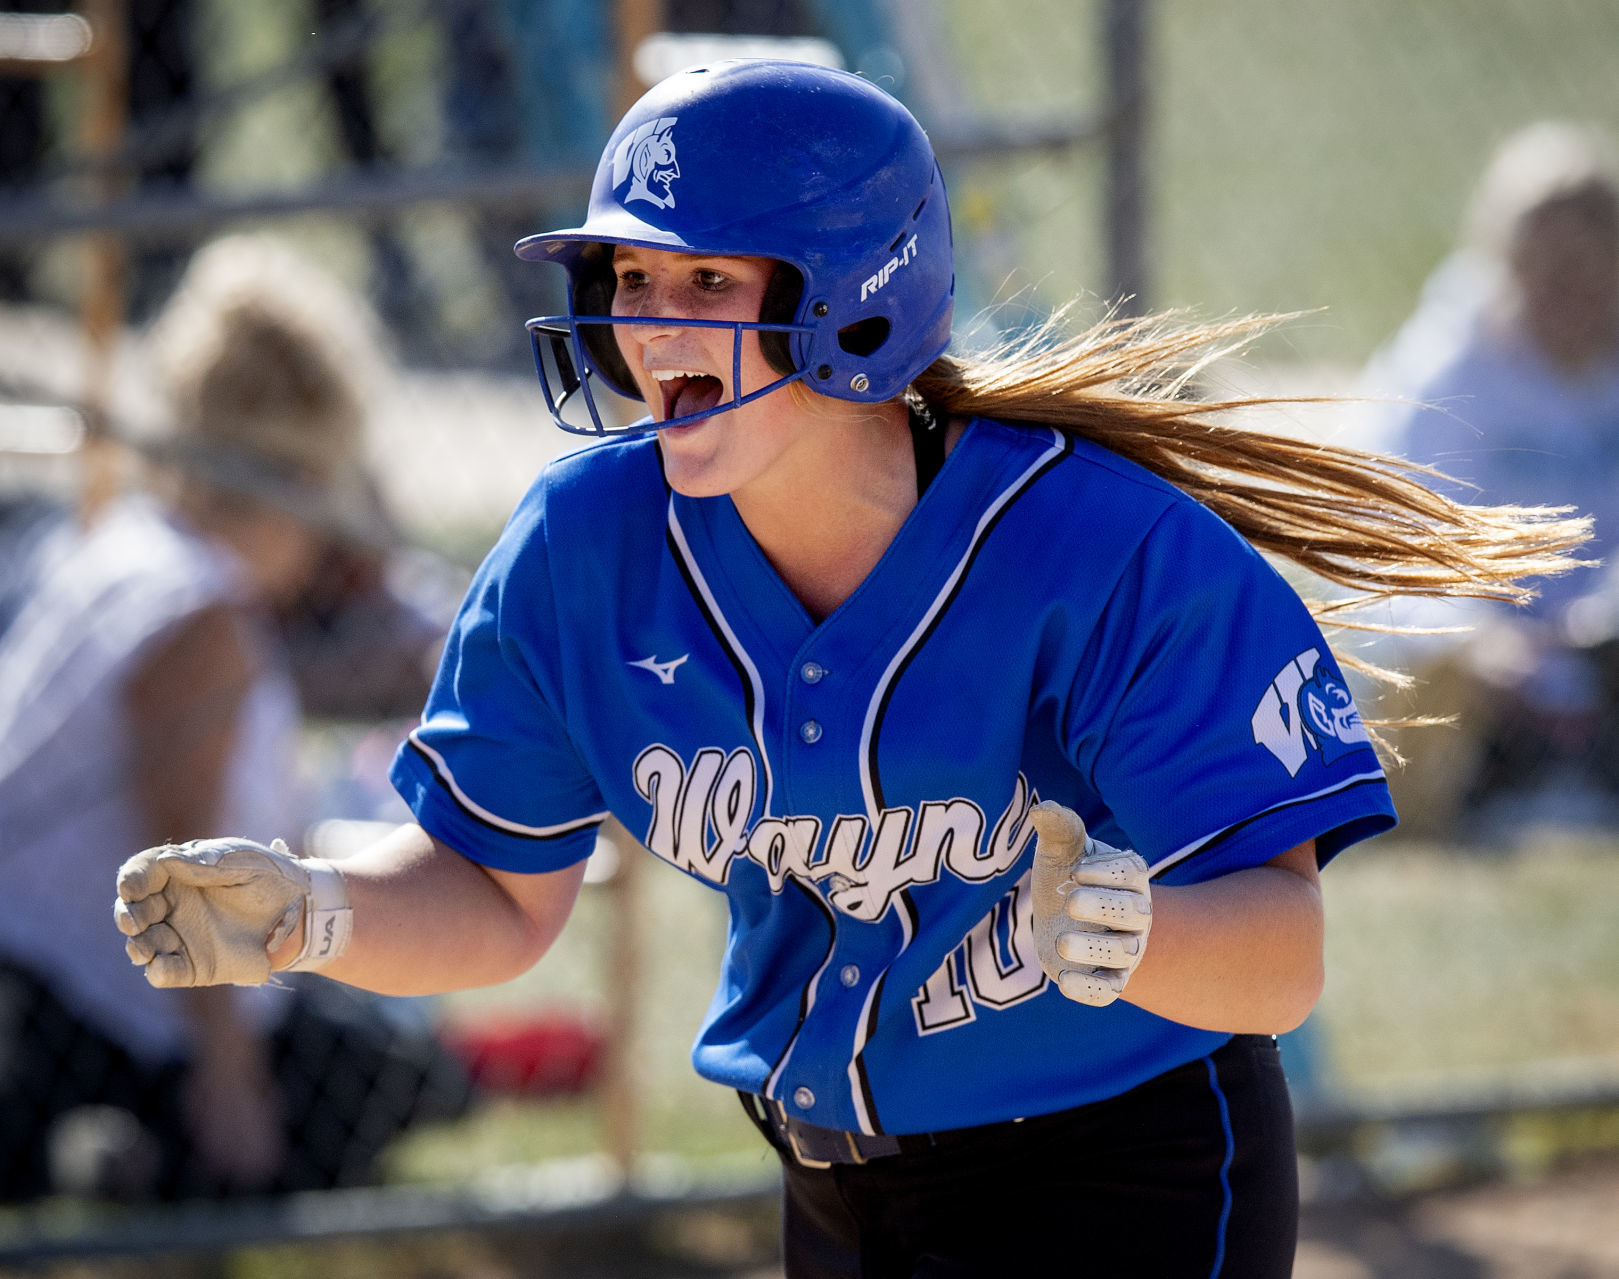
[815, 169]
[564, 354]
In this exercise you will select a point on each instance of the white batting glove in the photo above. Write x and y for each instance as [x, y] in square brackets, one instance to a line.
[1092, 907]
[209, 913]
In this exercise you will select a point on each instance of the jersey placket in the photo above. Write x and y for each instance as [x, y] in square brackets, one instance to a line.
[819, 1075]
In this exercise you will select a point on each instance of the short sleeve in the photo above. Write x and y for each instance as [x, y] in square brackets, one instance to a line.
[491, 770]
[1229, 734]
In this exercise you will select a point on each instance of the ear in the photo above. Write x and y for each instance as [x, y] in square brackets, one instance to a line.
[779, 306]
[593, 287]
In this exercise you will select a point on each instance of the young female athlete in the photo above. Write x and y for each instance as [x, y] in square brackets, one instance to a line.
[868, 637]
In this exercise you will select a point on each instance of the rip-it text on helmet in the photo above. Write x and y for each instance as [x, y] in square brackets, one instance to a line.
[875, 282]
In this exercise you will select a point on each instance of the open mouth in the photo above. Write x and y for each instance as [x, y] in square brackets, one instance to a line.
[685, 393]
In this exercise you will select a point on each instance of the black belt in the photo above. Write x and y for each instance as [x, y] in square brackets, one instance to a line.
[814, 1147]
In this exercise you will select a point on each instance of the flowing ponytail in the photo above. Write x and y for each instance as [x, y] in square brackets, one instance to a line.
[1360, 520]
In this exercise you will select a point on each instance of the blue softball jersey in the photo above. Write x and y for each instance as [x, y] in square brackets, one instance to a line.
[1051, 622]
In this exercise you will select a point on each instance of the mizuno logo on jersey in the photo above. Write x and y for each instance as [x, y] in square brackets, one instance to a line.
[1308, 707]
[702, 820]
[647, 160]
[665, 671]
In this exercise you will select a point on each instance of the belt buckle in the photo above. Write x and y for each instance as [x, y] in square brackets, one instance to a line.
[804, 1160]
[790, 1128]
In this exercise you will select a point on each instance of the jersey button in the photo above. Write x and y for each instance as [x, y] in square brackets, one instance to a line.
[810, 731]
[850, 975]
[812, 672]
[803, 1098]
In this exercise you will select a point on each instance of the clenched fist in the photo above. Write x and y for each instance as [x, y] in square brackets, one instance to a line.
[1092, 907]
[210, 912]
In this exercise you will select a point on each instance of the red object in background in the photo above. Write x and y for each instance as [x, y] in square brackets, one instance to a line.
[546, 1056]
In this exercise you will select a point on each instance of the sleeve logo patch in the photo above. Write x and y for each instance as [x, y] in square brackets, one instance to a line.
[1308, 708]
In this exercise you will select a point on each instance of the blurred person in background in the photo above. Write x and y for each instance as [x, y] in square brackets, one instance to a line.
[1506, 378]
[145, 689]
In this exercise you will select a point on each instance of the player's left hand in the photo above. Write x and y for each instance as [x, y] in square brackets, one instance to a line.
[1092, 907]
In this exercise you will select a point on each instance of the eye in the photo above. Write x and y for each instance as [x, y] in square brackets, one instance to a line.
[630, 279]
[710, 281]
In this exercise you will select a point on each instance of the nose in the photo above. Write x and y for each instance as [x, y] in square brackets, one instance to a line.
[648, 331]
[649, 327]
[651, 303]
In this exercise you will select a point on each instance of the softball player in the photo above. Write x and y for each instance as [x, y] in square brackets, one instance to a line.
[1014, 760]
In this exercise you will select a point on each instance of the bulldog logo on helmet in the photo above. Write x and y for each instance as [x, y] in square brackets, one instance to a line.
[647, 158]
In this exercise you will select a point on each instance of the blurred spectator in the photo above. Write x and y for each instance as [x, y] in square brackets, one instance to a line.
[145, 691]
[269, 366]
[1508, 373]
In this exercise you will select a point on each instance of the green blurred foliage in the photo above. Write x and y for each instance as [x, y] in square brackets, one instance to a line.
[1314, 154]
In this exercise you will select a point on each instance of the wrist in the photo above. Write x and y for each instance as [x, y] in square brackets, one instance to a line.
[325, 925]
[282, 955]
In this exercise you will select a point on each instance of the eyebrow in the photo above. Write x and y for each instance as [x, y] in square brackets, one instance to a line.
[633, 251]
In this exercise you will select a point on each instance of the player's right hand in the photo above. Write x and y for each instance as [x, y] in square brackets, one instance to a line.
[210, 912]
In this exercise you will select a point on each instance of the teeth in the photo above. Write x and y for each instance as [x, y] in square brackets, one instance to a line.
[669, 375]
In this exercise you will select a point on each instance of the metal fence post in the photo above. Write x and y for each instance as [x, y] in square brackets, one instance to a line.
[1125, 36]
[633, 22]
[101, 309]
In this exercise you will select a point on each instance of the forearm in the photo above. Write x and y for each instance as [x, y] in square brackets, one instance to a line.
[1242, 953]
[232, 1104]
[220, 1037]
[426, 919]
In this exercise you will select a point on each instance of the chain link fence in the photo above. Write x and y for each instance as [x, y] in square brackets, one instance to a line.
[1232, 158]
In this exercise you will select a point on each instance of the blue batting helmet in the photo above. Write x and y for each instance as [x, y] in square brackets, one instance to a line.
[817, 169]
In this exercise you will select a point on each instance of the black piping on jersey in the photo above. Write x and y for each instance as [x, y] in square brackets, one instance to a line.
[1203, 845]
[865, 1099]
[806, 997]
[753, 703]
[443, 776]
[747, 673]
[1062, 447]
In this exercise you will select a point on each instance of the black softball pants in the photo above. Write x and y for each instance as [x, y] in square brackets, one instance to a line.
[1188, 1176]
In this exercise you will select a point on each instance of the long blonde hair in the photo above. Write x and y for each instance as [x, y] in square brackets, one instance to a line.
[1363, 521]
